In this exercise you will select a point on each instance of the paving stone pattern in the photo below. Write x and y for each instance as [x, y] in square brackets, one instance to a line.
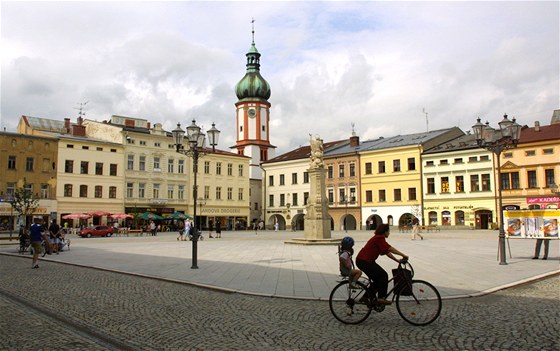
[150, 314]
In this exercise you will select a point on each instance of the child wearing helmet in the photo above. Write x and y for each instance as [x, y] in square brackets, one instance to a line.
[345, 259]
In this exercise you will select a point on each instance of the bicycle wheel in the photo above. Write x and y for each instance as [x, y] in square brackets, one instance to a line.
[422, 306]
[350, 305]
[44, 249]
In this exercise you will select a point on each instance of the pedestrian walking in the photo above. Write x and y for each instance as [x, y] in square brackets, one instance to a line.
[210, 229]
[538, 248]
[218, 229]
[416, 229]
[153, 228]
[276, 226]
[36, 233]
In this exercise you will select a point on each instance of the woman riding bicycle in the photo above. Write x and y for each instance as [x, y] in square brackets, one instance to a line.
[366, 261]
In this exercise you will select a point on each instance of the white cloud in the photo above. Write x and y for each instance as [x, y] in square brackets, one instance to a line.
[376, 64]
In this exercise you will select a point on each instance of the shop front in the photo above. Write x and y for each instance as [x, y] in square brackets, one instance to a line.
[230, 218]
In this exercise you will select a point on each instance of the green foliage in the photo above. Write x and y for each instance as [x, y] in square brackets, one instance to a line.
[24, 202]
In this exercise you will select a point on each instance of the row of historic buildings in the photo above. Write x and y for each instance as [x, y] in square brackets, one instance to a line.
[440, 177]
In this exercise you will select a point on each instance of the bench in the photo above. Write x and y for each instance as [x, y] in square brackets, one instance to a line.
[433, 228]
[404, 228]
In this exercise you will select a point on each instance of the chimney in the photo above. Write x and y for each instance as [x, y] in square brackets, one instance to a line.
[79, 130]
[537, 126]
[354, 140]
[67, 125]
[149, 125]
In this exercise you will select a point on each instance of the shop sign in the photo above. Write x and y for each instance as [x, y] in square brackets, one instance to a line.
[207, 210]
[543, 200]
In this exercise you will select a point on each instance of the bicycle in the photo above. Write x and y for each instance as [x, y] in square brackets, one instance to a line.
[44, 248]
[418, 302]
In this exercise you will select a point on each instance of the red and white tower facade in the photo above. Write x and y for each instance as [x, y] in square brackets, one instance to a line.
[253, 115]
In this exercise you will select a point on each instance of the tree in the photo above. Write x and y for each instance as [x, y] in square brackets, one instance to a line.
[24, 202]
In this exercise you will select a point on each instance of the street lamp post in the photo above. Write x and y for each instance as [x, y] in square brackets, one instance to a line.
[196, 142]
[496, 141]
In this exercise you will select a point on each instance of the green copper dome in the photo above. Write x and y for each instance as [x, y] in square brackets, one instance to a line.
[253, 85]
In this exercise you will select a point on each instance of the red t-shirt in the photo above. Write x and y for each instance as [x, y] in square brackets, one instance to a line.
[374, 247]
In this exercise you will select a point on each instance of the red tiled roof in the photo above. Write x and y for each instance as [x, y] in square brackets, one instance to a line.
[304, 152]
[530, 135]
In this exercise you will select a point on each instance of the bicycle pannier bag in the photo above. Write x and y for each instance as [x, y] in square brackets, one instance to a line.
[403, 281]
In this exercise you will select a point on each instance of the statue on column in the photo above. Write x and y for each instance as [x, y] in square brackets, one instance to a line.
[316, 155]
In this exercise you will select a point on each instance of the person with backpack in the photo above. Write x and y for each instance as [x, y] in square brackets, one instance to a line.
[365, 260]
[346, 250]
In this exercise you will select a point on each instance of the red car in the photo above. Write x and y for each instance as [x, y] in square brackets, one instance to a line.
[98, 230]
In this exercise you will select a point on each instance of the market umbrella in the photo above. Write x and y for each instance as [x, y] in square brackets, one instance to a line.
[76, 215]
[178, 215]
[121, 216]
[150, 215]
[99, 213]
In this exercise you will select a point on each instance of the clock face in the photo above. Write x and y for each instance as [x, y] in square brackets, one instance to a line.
[252, 113]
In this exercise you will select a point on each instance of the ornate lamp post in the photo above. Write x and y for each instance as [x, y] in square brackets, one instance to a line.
[496, 141]
[196, 142]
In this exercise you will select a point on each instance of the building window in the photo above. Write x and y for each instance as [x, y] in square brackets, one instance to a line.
[473, 158]
[10, 189]
[206, 192]
[368, 168]
[28, 188]
[411, 194]
[84, 167]
[510, 180]
[352, 172]
[218, 168]
[112, 192]
[282, 200]
[44, 191]
[157, 164]
[330, 172]
[443, 162]
[459, 184]
[547, 151]
[29, 164]
[98, 191]
[458, 160]
[305, 198]
[330, 196]
[270, 200]
[484, 158]
[532, 179]
[67, 190]
[141, 190]
[396, 165]
[530, 153]
[342, 195]
[142, 163]
[181, 166]
[98, 168]
[549, 177]
[240, 170]
[341, 171]
[11, 162]
[475, 185]
[155, 191]
[397, 194]
[294, 199]
[411, 164]
[485, 182]
[431, 186]
[369, 196]
[130, 162]
[68, 166]
[129, 190]
[230, 193]
[444, 184]
[429, 163]
[83, 190]
[113, 169]
[282, 179]
[240, 194]
[508, 154]
[294, 178]
[381, 167]
[270, 180]
[218, 193]
[305, 177]
[229, 169]
[382, 196]
[170, 191]
[170, 165]
[180, 192]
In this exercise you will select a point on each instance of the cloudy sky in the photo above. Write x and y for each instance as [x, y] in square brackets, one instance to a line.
[377, 64]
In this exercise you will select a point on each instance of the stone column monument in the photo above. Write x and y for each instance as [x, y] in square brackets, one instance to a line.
[317, 219]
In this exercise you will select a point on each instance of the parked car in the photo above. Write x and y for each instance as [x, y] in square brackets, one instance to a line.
[98, 230]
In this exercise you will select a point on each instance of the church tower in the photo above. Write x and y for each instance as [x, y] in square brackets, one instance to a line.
[253, 114]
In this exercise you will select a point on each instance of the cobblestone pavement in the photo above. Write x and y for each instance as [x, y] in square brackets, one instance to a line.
[66, 307]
